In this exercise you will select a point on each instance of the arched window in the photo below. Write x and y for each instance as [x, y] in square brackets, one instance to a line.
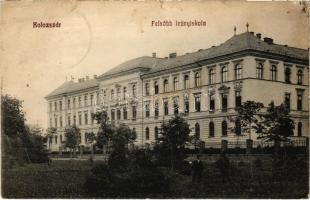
[175, 83]
[211, 129]
[238, 71]
[299, 131]
[165, 85]
[197, 79]
[288, 75]
[259, 71]
[299, 77]
[197, 131]
[224, 74]
[224, 128]
[147, 133]
[238, 127]
[156, 133]
[156, 87]
[273, 72]
[211, 76]
[186, 82]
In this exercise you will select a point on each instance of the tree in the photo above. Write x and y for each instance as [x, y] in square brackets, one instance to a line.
[175, 134]
[73, 136]
[247, 116]
[276, 125]
[90, 138]
[50, 133]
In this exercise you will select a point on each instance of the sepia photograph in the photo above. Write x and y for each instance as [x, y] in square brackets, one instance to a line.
[104, 99]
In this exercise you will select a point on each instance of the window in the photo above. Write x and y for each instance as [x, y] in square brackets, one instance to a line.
[74, 119]
[55, 105]
[60, 121]
[134, 90]
[125, 113]
[299, 101]
[197, 131]
[147, 110]
[147, 133]
[165, 85]
[238, 99]
[86, 118]
[92, 118]
[288, 75]
[156, 133]
[68, 104]
[147, 89]
[80, 101]
[211, 129]
[238, 127]
[134, 112]
[156, 87]
[91, 99]
[186, 82]
[156, 109]
[197, 103]
[238, 71]
[74, 102]
[175, 106]
[97, 100]
[118, 93]
[299, 131]
[51, 122]
[211, 76]
[224, 74]
[212, 103]
[60, 105]
[124, 92]
[224, 102]
[134, 132]
[118, 114]
[85, 101]
[60, 137]
[273, 72]
[186, 104]
[287, 100]
[259, 71]
[224, 128]
[69, 120]
[166, 108]
[175, 83]
[112, 114]
[112, 94]
[56, 139]
[55, 121]
[299, 77]
[197, 79]
[51, 106]
[80, 119]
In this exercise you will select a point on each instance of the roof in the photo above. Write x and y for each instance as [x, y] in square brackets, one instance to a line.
[71, 86]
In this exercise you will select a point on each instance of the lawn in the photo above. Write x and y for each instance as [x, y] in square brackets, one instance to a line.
[65, 179]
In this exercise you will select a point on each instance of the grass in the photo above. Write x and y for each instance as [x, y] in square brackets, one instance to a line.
[65, 179]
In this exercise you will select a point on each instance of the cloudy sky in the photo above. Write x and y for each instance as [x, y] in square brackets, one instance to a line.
[97, 35]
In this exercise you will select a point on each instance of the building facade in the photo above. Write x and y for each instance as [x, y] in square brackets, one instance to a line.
[206, 86]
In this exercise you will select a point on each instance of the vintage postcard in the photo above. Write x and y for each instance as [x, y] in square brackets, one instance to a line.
[154, 99]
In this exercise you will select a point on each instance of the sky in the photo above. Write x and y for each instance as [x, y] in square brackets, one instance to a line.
[95, 36]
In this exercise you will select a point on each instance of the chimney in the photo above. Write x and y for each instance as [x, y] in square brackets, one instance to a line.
[154, 54]
[259, 35]
[268, 40]
[87, 77]
[172, 55]
[252, 33]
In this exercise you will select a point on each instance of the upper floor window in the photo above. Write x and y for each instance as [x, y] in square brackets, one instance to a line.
[211, 76]
[60, 121]
[91, 99]
[112, 114]
[134, 112]
[176, 105]
[224, 128]
[69, 120]
[112, 94]
[55, 106]
[147, 110]
[186, 82]
[166, 108]
[104, 93]
[80, 101]
[147, 89]
[287, 100]
[156, 108]
[224, 74]
[238, 127]
[85, 101]
[238, 99]
[51, 106]
[273, 72]
[86, 118]
[134, 90]
[197, 103]
[165, 85]
[125, 113]
[156, 132]
[212, 103]
[299, 77]
[74, 119]
[238, 71]
[299, 130]
[147, 133]
[259, 71]
[287, 75]
[118, 92]
[175, 83]
[60, 105]
[124, 92]
[186, 104]
[80, 118]
[118, 114]
[74, 102]
[197, 79]
[197, 131]
[224, 102]
[97, 99]
[299, 101]
[156, 87]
